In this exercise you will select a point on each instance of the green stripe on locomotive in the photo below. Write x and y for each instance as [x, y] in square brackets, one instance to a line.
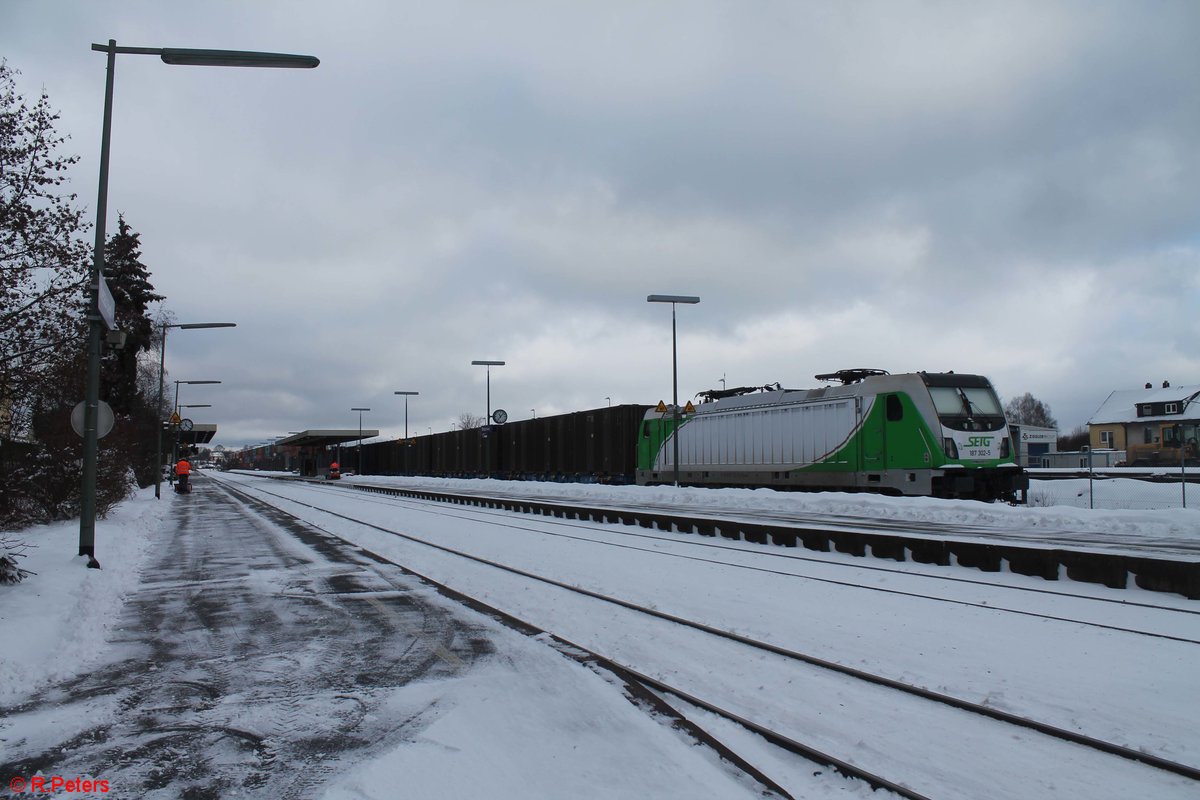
[877, 444]
[654, 434]
[880, 444]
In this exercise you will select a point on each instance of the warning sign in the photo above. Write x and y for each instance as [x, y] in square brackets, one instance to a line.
[661, 408]
[689, 408]
[175, 418]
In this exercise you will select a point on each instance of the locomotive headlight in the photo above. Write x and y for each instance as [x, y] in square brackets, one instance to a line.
[950, 447]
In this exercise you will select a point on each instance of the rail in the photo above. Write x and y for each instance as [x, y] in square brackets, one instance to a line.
[1113, 570]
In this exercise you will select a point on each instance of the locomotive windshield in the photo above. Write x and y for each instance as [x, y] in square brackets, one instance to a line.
[966, 405]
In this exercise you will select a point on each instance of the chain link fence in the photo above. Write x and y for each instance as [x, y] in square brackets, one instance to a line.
[1116, 489]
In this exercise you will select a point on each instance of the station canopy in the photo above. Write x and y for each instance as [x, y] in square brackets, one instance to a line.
[201, 433]
[323, 438]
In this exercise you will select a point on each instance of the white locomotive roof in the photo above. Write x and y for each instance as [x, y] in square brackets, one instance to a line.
[779, 396]
[870, 385]
[748, 400]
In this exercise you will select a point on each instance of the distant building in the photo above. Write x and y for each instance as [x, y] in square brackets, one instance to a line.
[1033, 442]
[1078, 459]
[1146, 423]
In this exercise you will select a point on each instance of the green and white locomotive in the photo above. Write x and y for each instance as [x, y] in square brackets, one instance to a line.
[924, 433]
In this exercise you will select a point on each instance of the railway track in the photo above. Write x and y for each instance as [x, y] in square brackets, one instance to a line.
[863, 518]
[868, 690]
[788, 556]
[665, 699]
[1178, 574]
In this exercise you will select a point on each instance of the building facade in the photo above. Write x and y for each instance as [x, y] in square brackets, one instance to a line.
[1149, 424]
[1033, 443]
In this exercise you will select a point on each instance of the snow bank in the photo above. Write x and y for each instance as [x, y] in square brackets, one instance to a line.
[54, 624]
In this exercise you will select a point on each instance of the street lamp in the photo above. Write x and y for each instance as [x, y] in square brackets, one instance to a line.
[174, 412]
[488, 420]
[175, 405]
[674, 299]
[91, 405]
[406, 396]
[162, 357]
[360, 413]
[489, 365]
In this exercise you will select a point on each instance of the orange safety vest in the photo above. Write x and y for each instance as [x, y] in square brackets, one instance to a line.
[183, 467]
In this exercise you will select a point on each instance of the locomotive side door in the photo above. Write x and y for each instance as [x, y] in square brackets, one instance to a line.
[873, 438]
[893, 432]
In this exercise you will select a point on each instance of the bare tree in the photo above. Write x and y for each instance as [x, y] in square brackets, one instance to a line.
[43, 255]
[1075, 440]
[1028, 410]
[44, 268]
[467, 421]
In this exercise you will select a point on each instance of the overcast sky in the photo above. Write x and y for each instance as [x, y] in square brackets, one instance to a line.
[1006, 188]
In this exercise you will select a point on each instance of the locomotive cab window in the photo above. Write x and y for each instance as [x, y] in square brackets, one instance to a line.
[967, 408]
[895, 409]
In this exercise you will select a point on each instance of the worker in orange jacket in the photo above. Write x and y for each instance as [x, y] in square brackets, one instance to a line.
[182, 470]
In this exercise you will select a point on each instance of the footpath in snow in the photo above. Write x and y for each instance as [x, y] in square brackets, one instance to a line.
[218, 643]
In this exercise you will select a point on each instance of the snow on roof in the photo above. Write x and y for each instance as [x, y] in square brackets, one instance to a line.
[1121, 406]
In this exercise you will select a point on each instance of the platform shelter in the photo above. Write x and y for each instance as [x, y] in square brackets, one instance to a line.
[315, 447]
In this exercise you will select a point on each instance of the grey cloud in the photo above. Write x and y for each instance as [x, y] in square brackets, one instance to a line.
[1005, 188]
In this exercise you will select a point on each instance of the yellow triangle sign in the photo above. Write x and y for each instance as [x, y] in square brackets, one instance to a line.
[661, 408]
[689, 408]
[175, 420]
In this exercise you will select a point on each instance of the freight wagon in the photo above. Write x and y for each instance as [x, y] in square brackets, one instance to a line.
[597, 446]
[939, 434]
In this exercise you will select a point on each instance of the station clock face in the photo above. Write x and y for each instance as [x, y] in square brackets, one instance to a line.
[185, 425]
[500, 416]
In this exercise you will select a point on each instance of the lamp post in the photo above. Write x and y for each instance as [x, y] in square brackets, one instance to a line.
[487, 421]
[674, 299]
[175, 405]
[174, 411]
[406, 396]
[162, 357]
[489, 364]
[1183, 443]
[404, 453]
[91, 405]
[360, 413]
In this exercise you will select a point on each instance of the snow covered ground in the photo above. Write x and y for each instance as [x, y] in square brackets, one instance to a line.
[55, 625]
[1061, 514]
[56, 622]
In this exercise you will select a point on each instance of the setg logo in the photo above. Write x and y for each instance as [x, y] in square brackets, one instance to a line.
[980, 441]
